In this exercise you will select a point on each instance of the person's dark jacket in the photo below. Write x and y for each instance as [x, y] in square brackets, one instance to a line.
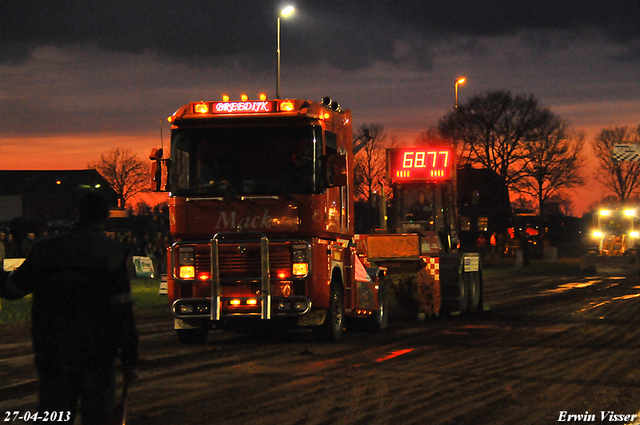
[82, 312]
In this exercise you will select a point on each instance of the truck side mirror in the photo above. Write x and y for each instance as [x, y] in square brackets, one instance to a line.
[156, 169]
[336, 170]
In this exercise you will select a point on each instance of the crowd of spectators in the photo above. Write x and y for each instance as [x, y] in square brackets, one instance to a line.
[146, 235]
[11, 248]
[149, 245]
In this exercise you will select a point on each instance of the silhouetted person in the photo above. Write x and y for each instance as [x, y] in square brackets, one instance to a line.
[11, 247]
[82, 315]
[420, 210]
[27, 244]
[3, 252]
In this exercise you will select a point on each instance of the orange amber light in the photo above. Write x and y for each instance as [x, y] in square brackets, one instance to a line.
[201, 108]
[187, 272]
[286, 106]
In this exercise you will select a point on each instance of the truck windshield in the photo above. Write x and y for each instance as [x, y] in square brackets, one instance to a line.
[265, 160]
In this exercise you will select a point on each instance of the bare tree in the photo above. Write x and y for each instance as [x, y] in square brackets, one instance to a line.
[433, 137]
[126, 174]
[491, 129]
[552, 160]
[622, 178]
[370, 161]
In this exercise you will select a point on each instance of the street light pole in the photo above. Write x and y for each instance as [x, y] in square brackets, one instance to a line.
[284, 13]
[455, 89]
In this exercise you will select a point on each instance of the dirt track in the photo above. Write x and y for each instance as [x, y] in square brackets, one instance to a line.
[546, 346]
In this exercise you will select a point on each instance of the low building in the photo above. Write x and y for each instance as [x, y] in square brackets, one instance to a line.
[41, 198]
[483, 201]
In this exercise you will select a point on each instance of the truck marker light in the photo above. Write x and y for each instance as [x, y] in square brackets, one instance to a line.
[234, 302]
[225, 98]
[252, 302]
[263, 97]
[201, 108]
[286, 106]
[282, 274]
[187, 272]
[204, 276]
[244, 97]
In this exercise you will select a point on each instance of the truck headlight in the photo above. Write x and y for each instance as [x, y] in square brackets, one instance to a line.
[186, 309]
[186, 256]
[300, 269]
[186, 262]
[187, 272]
[300, 260]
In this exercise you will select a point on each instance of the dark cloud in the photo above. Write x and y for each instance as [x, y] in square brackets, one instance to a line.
[348, 34]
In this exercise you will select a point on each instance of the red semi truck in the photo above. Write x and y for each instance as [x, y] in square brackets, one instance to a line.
[262, 214]
[261, 211]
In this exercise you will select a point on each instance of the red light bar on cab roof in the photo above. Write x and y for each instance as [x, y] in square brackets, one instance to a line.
[244, 107]
[247, 107]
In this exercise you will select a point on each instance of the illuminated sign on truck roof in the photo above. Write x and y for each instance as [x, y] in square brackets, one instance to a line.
[242, 107]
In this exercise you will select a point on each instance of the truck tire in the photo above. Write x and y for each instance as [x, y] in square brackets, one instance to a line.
[380, 319]
[331, 328]
[193, 336]
[474, 291]
[463, 293]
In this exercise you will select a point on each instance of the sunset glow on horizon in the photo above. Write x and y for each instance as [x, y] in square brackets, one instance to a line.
[70, 93]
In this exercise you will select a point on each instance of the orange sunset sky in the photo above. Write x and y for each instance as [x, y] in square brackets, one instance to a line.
[80, 79]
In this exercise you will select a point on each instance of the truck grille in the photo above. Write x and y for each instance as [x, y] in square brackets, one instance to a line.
[242, 261]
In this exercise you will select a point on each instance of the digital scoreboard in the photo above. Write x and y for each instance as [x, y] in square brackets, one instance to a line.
[416, 164]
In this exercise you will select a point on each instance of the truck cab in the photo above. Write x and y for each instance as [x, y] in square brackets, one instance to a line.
[261, 209]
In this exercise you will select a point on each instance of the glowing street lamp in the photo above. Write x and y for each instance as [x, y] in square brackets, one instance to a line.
[455, 89]
[287, 11]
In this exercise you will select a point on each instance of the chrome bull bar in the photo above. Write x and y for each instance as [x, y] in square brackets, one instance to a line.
[265, 287]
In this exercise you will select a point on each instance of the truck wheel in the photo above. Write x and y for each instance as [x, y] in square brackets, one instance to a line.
[331, 329]
[380, 319]
[193, 336]
[474, 290]
[463, 297]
